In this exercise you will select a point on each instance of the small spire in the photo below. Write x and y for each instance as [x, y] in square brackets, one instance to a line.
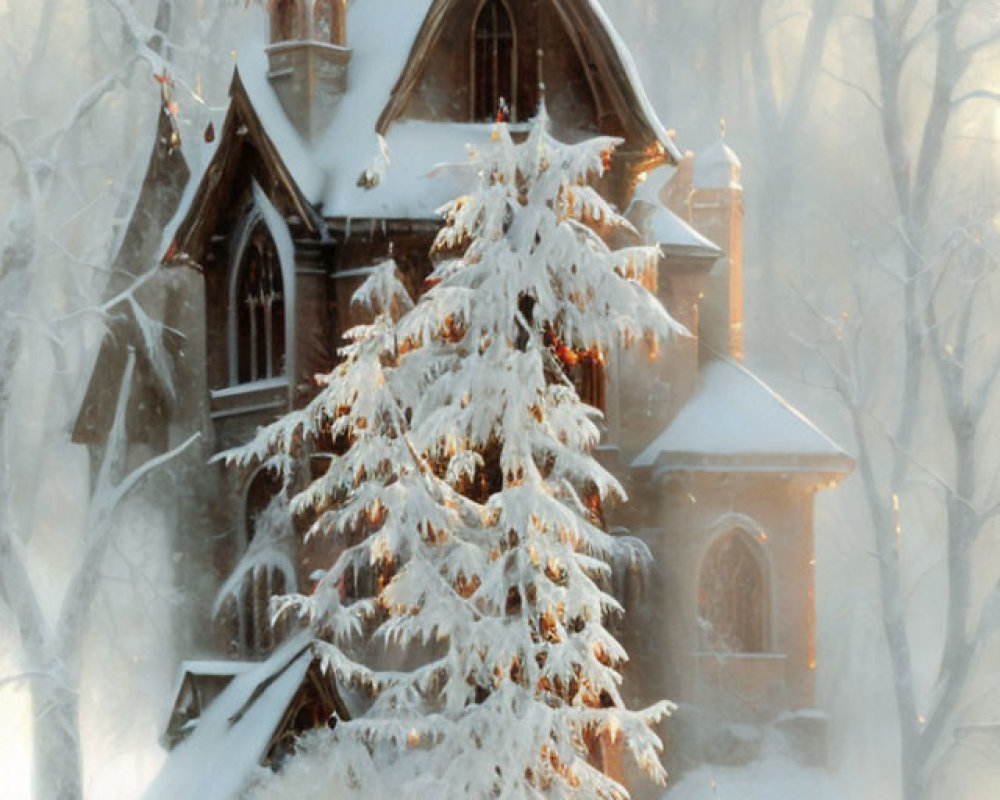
[503, 111]
[722, 127]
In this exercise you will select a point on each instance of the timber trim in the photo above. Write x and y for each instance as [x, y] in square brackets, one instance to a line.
[242, 122]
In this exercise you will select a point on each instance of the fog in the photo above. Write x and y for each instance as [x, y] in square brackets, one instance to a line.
[869, 135]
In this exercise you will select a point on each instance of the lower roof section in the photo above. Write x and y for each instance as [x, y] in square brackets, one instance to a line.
[736, 422]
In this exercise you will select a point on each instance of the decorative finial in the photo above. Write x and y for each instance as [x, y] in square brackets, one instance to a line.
[503, 111]
[722, 127]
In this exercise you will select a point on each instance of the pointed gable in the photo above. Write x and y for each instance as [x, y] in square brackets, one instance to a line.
[593, 84]
[245, 153]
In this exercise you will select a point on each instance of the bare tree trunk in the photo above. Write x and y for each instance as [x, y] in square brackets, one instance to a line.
[58, 767]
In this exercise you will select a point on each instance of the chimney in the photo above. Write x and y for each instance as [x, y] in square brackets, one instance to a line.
[716, 210]
[308, 61]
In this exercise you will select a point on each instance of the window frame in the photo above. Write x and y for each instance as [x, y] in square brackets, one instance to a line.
[254, 635]
[473, 74]
[262, 212]
[740, 531]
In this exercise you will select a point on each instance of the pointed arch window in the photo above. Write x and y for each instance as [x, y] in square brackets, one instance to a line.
[329, 18]
[323, 21]
[494, 60]
[255, 634]
[260, 311]
[732, 596]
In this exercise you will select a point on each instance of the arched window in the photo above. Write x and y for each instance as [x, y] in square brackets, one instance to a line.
[260, 311]
[285, 20]
[589, 377]
[732, 596]
[329, 18]
[323, 21]
[255, 635]
[494, 60]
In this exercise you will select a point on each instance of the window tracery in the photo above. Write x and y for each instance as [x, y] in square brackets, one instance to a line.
[260, 311]
[494, 60]
[732, 597]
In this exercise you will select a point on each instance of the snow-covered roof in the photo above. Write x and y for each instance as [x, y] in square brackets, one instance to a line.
[735, 421]
[233, 733]
[664, 227]
[717, 167]
[217, 668]
[776, 776]
[327, 172]
[658, 224]
[414, 182]
[628, 64]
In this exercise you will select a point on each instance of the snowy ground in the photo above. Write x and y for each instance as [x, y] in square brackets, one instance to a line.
[777, 777]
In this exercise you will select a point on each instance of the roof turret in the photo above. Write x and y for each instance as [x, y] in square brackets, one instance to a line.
[718, 167]
[308, 60]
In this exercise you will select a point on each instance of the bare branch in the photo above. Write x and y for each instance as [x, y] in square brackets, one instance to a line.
[19, 594]
[978, 94]
[813, 50]
[928, 29]
[22, 676]
[856, 87]
[102, 310]
[140, 37]
[971, 49]
[903, 17]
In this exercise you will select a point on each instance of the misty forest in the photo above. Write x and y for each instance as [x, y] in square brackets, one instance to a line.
[499, 399]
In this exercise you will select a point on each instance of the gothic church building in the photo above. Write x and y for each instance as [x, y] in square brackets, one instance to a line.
[345, 131]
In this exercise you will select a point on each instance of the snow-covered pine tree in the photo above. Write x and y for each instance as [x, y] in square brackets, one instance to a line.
[466, 457]
[530, 677]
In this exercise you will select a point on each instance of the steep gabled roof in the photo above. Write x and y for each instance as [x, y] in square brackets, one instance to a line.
[237, 729]
[737, 423]
[136, 258]
[242, 127]
[386, 65]
[327, 172]
[596, 42]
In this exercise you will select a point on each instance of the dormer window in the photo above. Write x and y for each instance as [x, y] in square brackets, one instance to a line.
[494, 61]
[260, 311]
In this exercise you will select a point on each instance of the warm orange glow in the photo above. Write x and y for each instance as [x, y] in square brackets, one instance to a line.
[653, 346]
[613, 727]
